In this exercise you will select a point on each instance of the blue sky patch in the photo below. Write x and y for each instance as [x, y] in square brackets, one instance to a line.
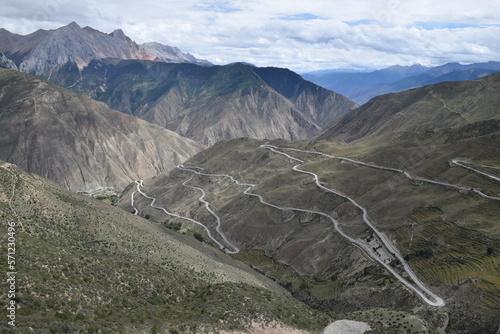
[449, 25]
[216, 6]
[359, 22]
[300, 17]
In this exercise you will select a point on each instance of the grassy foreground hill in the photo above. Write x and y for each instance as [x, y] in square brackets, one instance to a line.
[87, 267]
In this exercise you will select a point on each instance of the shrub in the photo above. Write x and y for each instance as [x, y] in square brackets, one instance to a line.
[198, 236]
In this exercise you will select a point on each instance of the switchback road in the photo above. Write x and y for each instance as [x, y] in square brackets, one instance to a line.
[405, 173]
[153, 200]
[423, 292]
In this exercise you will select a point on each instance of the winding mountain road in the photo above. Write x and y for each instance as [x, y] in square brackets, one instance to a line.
[417, 286]
[460, 162]
[201, 199]
[209, 209]
[405, 173]
[423, 292]
[136, 212]
[434, 299]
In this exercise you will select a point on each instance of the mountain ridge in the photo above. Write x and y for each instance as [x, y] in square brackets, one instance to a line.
[362, 86]
[40, 51]
[476, 102]
[204, 103]
[392, 161]
[208, 104]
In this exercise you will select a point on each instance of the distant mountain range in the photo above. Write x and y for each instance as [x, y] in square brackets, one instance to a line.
[201, 102]
[208, 103]
[362, 86]
[41, 50]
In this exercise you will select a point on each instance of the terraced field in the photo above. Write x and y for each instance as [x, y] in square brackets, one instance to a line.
[458, 256]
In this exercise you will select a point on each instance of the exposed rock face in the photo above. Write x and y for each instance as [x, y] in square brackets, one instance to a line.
[209, 104]
[77, 142]
[347, 326]
[18, 45]
[42, 50]
[7, 63]
[169, 54]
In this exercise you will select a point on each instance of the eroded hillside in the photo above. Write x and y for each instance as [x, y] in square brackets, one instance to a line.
[78, 142]
[209, 104]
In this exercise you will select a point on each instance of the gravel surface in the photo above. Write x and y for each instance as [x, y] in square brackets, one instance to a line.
[346, 327]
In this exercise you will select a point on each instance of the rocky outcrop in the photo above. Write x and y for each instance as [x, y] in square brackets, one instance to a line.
[169, 54]
[7, 63]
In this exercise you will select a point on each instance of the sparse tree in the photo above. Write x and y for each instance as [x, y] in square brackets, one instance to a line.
[198, 236]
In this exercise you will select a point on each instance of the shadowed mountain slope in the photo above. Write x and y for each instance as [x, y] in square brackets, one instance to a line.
[78, 142]
[209, 104]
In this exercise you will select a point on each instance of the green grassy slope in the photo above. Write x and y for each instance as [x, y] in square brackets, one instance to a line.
[85, 266]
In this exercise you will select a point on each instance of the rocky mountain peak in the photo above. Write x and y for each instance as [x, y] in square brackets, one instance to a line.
[118, 33]
[41, 51]
[72, 25]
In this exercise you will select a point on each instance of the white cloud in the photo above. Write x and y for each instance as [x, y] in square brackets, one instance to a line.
[302, 35]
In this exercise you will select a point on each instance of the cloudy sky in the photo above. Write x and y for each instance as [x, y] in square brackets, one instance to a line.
[302, 35]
